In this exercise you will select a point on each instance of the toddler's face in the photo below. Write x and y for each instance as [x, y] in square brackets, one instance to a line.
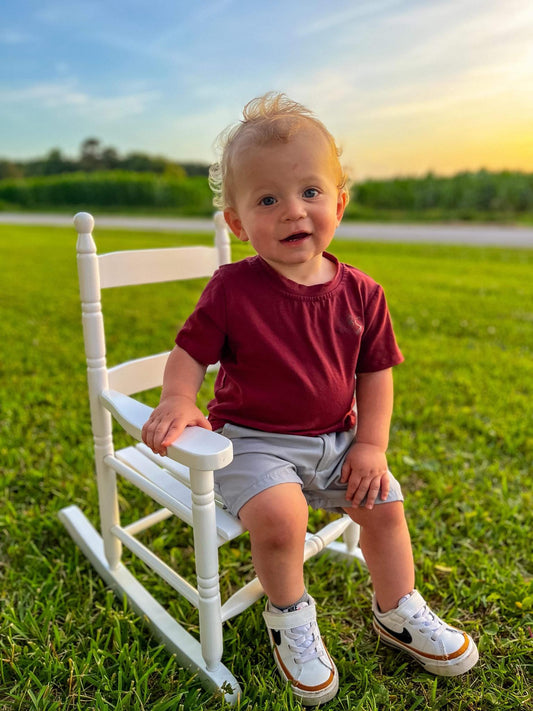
[287, 203]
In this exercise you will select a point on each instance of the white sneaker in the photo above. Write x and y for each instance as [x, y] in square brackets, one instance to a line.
[415, 629]
[300, 654]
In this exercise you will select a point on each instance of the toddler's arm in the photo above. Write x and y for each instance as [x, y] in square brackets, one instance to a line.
[365, 467]
[177, 407]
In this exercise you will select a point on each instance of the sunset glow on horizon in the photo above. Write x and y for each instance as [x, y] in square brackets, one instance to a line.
[406, 86]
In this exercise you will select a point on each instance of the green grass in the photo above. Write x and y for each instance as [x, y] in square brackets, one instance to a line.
[460, 445]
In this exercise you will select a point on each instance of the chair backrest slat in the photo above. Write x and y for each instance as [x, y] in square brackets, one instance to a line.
[148, 266]
[136, 376]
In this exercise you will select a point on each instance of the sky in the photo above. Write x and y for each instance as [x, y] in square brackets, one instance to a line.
[405, 86]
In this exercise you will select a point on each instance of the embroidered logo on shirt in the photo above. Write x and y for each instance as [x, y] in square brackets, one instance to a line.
[349, 324]
[355, 324]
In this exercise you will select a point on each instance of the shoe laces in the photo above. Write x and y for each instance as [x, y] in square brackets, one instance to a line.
[306, 640]
[428, 623]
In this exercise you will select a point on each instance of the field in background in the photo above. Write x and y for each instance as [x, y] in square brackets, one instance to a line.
[460, 445]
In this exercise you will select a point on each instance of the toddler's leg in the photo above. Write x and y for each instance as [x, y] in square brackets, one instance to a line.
[277, 522]
[401, 616]
[386, 545]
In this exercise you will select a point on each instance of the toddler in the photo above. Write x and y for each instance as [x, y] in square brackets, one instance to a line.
[304, 392]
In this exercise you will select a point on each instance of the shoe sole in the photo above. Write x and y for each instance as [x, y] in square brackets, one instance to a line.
[445, 667]
[318, 697]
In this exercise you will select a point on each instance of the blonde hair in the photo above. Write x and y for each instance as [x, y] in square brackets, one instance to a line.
[270, 118]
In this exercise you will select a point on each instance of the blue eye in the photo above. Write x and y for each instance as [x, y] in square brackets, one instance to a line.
[310, 193]
[267, 201]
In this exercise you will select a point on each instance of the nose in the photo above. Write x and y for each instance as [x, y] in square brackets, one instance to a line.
[295, 209]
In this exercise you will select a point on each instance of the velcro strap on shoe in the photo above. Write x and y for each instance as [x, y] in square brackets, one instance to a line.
[288, 620]
[413, 604]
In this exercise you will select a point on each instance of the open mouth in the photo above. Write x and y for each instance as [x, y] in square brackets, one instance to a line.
[297, 237]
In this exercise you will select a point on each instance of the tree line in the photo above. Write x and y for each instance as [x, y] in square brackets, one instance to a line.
[93, 156]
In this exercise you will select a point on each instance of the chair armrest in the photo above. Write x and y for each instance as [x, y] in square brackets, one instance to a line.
[196, 447]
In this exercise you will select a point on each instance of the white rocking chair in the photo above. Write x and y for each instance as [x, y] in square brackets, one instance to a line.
[182, 482]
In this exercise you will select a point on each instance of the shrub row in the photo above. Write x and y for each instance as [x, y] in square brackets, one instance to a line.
[109, 189]
[482, 191]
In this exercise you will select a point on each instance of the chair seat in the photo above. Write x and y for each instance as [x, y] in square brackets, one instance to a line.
[169, 476]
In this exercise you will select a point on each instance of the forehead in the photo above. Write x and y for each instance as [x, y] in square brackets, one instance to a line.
[307, 150]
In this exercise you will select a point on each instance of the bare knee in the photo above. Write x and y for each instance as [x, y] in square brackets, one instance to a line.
[383, 517]
[277, 534]
[276, 518]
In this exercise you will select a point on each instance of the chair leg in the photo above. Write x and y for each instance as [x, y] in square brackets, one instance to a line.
[206, 557]
[351, 536]
[174, 637]
[108, 501]
[349, 547]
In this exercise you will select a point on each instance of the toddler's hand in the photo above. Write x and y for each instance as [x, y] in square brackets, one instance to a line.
[168, 420]
[366, 472]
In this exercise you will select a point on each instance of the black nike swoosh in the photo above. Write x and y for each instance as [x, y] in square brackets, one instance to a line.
[403, 636]
[276, 634]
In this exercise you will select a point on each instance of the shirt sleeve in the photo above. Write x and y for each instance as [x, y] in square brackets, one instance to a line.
[203, 334]
[379, 349]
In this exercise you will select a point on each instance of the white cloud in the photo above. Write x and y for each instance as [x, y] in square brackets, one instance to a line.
[66, 97]
[450, 37]
[339, 20]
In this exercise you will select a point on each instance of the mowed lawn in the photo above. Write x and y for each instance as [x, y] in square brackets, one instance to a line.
[460, 444]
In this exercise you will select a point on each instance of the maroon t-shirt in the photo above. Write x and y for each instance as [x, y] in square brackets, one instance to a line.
[289, 353]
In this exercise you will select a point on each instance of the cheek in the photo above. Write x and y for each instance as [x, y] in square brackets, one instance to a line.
[260, 227]
[328, 217]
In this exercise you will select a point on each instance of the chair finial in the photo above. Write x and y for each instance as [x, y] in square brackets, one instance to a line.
[84, 222]
[220, 221]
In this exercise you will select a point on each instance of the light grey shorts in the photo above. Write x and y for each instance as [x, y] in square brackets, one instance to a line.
[264, 459]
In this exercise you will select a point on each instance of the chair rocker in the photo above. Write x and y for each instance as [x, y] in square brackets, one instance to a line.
[180, 483]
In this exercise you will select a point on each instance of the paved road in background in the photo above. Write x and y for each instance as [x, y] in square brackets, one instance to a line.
[481, 235]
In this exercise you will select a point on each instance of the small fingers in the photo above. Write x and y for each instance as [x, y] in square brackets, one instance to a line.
[160, 431]
[345, 472]
[154, 434]
[373, 491]
[357, 488]
[176, 428]
[172, 434]
[148, 432]
[367, 486]
[385, 486]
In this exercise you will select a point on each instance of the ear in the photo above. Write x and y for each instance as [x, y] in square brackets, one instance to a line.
[342, 201]
[235, 225]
